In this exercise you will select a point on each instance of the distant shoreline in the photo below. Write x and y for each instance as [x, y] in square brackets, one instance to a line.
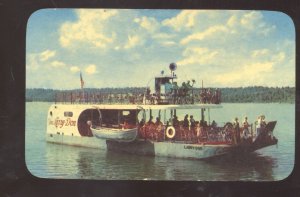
[254, 94]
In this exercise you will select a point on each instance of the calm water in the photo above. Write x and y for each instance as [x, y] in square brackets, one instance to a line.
[60, 161]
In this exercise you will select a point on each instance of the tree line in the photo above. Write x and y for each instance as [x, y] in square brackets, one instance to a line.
[254, 94]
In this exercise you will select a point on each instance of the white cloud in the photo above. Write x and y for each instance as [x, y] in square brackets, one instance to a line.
[260, 52]
[57, 64]
[254, 21]
[74, 69]
[90, 69]
[185, 19]
[202, 35]
[35, 60]
[197, 55]
[89, 28]
[32, 61]
[162, 35]
[232, 21]
[250, 20]
[168, 43]
[132, 41]
[148, 23]
[280, 57]
[248, 74]
[45, 55]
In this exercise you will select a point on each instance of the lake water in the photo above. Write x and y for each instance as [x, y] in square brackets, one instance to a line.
[48, 160]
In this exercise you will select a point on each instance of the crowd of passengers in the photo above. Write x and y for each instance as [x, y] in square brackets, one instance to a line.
[199, 131]
[185, 94]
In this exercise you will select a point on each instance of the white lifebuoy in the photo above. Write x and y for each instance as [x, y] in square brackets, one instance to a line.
[170, 132]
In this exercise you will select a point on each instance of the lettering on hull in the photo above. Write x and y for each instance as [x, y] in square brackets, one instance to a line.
[192, 147]
[59, 123]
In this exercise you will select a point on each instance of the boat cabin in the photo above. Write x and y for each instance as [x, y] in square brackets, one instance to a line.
[163, 88]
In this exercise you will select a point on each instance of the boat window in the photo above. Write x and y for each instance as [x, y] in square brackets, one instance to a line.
[68, 114]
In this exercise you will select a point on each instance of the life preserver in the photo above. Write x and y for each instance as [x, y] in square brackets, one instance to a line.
[170, 132]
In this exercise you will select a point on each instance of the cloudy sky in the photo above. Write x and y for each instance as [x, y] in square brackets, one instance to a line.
[126, 48]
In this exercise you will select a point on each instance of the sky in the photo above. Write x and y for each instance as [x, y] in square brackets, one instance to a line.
[127, 48]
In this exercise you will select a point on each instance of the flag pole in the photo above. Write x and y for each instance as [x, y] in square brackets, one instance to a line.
[82, 84]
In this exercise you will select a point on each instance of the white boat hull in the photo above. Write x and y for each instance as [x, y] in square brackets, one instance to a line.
[169, 149]
[123, 135]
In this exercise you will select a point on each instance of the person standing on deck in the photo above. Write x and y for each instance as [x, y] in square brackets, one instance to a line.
[245, 129]
[158, 128]
[186, 122]
[186, 125]
[150, 121]
[150, 128]
[192, 127]
[263, 122]
[175, 121]
[236, 127]
[258, 126]
[175, 92]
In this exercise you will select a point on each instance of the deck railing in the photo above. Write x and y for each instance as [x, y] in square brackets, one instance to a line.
[135, 98]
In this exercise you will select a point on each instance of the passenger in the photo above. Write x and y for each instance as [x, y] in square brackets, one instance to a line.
[150, 122]
[192, 128]
[158, 125]
[263, 122]
[236, 127]
[185, 126]
[246, 129]
[125, 125]
[186, 122]
[158, 122]
[214, 124]
[148, 91]
[198, 131]
[223, 133]
[150, 128]
[192, 122]
[209, 96]
[258, 126]
[142, 122]
[188, 86]
[141, 128]
[175, 121]
[175, 92]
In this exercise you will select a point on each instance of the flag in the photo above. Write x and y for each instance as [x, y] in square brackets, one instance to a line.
[81, 81]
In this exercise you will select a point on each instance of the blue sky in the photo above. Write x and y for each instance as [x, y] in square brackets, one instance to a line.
[126, 48]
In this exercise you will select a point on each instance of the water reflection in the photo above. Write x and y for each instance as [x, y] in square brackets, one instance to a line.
[252, 166]
[74, 162]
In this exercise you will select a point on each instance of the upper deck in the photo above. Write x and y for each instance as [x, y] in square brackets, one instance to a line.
[138, 98]
[166, 92]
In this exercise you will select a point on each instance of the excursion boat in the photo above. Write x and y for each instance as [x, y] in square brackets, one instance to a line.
[148, 123]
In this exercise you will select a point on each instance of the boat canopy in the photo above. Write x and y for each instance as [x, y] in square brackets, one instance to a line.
[157, 107]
